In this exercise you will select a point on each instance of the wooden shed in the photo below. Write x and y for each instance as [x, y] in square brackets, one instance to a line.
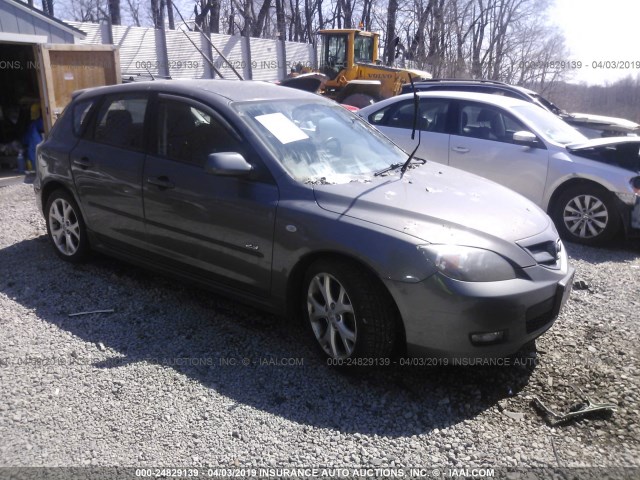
[40, 63]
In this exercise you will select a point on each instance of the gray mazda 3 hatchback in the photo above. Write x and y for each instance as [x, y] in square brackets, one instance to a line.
[287, 201]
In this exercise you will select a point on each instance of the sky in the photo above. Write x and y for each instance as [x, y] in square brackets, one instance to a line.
[606, 32]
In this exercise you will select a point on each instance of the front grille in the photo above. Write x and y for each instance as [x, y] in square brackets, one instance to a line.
[546, 253]
[539, 315]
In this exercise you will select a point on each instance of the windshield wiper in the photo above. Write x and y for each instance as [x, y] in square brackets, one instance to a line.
[393, 166]
[416, 108]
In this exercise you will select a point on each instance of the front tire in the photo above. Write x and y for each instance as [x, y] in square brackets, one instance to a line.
[586, 214]
[350, 314]
[66, 228]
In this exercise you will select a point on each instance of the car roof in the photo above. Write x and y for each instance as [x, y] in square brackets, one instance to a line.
[498, 100]
[232, 90]
[475, 83]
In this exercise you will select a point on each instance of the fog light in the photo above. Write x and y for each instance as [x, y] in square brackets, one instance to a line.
[486, 338]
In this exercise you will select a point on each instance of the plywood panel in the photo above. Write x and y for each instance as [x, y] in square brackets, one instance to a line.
[67, 68]
[72, 71]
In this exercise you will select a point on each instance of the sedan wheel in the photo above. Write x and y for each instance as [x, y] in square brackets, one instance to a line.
[65, 227]
[586, 215]
[349, 312]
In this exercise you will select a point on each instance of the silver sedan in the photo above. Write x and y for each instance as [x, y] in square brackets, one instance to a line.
[589, 187]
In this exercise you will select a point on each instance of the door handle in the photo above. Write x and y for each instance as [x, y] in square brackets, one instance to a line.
[460, 149]
[83, 163]
[160, 182]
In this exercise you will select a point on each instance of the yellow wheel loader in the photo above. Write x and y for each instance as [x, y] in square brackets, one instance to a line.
[350, 71]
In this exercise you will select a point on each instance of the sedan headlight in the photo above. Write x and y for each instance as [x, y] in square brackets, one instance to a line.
[468, 264]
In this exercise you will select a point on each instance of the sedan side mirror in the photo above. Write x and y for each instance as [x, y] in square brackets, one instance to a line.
[231, 164]
[526, 138]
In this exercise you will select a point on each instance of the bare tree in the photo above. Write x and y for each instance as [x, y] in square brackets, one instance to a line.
[85, 11]
[260, 24]
[133, 6]
[207, 18]
[505, 40]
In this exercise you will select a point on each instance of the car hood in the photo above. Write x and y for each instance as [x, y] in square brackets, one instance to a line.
[620, 124]
[603, 142]
[623, 152]
[443, 205]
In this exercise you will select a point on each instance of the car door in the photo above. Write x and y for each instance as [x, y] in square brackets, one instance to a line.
[396, 122]
[107, 165]
[218, 227]
[483, 144]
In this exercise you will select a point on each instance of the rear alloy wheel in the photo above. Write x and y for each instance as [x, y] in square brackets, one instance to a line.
[65, 227]
[350, 314]
[587, 215]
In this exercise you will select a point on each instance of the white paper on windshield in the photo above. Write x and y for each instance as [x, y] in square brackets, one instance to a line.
[281, 127]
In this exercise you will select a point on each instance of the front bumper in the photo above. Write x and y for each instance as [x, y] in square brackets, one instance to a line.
[440, 314]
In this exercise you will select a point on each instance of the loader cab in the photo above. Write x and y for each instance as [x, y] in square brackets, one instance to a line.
[341, 49]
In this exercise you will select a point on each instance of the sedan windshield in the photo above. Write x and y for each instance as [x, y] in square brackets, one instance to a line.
[320, 142]
[548, 125]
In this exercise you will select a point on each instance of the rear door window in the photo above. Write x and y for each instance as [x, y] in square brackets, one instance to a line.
[431, 116]
[120, 121]
[81, 115]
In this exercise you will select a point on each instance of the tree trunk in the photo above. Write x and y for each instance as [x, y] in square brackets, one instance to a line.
[47, 7]
[172, 25]
[259, 26]
[114, 12]
[390, 39]
[280, 20]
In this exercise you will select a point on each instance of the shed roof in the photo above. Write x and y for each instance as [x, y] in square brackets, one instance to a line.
[19, 18]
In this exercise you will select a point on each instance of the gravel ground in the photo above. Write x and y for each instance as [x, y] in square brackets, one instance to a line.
[155, 384]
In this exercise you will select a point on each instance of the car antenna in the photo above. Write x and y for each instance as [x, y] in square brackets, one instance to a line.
[416, 109]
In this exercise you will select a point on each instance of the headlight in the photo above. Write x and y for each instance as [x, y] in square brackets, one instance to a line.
[468, 264]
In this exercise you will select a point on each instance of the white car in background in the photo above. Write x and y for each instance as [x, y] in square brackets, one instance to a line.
[590, 188]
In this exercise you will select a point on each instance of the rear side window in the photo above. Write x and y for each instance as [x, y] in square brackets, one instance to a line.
[121, 121]
[401, 117]
[431, 117]
[80, 116]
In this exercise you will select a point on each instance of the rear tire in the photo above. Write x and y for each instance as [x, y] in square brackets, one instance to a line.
[350, 314]
[586, 214]
[65, 227]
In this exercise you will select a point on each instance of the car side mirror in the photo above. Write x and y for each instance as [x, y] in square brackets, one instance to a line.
[230, 164]
[526, 139]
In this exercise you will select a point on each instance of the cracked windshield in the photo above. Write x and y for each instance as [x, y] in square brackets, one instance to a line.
[320, 143]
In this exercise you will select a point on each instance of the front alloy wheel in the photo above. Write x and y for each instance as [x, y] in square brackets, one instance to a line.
[331, 315]
[587, 215]
[349, 311]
